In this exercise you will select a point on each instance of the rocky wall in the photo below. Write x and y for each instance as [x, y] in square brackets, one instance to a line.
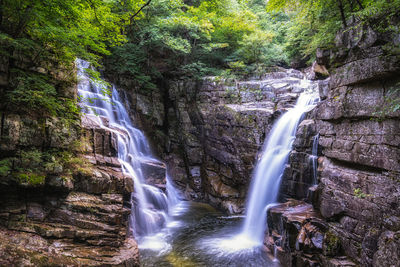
[63, 198]
[64, 216]
[210, 132]
[358, 196]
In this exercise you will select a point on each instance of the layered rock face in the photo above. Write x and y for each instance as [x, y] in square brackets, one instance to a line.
[209, 133]
[65, 217]
[356, 204]
[63, 198]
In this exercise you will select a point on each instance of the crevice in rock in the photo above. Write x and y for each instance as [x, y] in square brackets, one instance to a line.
[357, 166]
[2, 123]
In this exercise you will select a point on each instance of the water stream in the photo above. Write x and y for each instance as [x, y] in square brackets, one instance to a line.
[150, 205]
[314, 158]
[194, 238]
[266, 180]
[171, 232]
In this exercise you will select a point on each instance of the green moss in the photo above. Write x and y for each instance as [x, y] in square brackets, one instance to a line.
[331, 244]
[5, 167]
[32, 179]
[31, 159]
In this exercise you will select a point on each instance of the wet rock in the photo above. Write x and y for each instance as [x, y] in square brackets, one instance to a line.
[323, 88]
[215, 126]
[300, 237]
[36, 212]
[298, 175]
[337, 262]
[219, 188]
[388, 253]
[26, 249]
[154, 172]
[225, 128]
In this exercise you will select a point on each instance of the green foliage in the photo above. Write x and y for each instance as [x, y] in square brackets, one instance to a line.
[35, 91]
[51, 35]
[391, 102]
[203, 38]
[254, 46]
[30, 167]
[5, 167]
[331, 244]
[360, 194]
[392, 99]
[31, 179]
[67, 28]
[314, 24]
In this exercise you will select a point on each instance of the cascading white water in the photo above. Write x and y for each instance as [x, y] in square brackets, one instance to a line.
[149, 204]
[314, 158]
[266, 180]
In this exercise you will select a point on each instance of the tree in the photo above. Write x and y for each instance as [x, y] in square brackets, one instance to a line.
[315, 23]
[50, 35]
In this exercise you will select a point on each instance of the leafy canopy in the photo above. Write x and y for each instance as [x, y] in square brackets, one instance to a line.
[192, 39]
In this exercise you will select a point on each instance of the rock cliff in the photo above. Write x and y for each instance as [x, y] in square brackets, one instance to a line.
[63, 198]
[210, 132]
[354, 210]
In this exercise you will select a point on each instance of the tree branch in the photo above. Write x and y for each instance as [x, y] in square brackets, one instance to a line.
[360, 4]
[343, 16]
[137, 12]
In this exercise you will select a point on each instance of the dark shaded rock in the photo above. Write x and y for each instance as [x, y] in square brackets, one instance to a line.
[154, 172]
[299, 237]
[298, 175]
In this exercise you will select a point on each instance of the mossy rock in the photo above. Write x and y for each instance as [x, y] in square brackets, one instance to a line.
[331, 244]
[30, 179]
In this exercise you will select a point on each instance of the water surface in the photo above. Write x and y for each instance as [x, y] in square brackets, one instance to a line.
[198, 235]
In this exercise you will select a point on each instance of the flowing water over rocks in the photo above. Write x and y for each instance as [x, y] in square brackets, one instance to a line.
[194, 238]
[267, 177]
[149, 203]
[206, 238]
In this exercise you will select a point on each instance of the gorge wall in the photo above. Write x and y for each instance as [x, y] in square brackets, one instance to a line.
[64, 199]
[355, 208]
[210, 132]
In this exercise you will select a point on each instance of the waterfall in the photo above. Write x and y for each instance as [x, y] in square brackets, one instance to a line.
[314, 158]
[149, 204]
[266, 179]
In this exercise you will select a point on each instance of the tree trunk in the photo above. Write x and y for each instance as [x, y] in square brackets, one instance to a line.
[351, 5]
[23, 22]
[342, 15]
[359, 4]
[1, 14]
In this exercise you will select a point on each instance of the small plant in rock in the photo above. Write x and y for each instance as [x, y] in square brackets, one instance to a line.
[391, 102]
[360, 194]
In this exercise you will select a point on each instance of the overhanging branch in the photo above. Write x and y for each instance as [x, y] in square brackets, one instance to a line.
[137, 12]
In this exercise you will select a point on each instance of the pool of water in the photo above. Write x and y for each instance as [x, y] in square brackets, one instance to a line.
[198, 235]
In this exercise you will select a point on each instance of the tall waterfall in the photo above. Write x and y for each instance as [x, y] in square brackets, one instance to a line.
[266, 179]
[149, 204]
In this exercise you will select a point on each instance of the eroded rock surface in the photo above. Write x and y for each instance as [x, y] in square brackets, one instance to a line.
[64, 200]
[358, 195]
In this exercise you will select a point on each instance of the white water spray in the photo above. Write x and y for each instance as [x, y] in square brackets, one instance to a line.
[314, 158]
[266, 180]
[149, 204]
